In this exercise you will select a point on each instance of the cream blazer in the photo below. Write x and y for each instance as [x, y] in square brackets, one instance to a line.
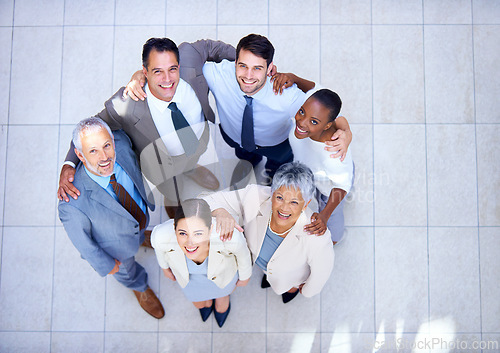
[300, 258]
[224, 258]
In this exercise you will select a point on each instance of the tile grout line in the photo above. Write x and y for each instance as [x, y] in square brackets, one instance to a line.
[320, 80]
[252, 24]
[426, 179]
[216, 19]
[477, 175]
[216, 36]
[7, 138]
[165, 19]
[57, 168]
[373, 186]
[351, 226]
[267, 296]
[353, 123]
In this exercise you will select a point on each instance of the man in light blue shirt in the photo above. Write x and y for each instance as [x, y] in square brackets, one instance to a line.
[271, 112]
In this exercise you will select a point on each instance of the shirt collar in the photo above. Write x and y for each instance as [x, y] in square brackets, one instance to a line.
[160, 104]
[102, 181]
[264, 91]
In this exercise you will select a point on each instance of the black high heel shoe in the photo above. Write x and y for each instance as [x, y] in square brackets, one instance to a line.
[205, 312]
[289, 296]
[221, 317]
[264, 283]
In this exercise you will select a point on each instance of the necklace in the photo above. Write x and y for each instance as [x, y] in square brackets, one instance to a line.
[278, 234]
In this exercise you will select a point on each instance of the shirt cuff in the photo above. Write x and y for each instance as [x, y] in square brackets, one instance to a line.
[70, 164]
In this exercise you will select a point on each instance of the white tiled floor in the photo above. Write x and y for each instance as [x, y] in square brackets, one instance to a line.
[420, 85]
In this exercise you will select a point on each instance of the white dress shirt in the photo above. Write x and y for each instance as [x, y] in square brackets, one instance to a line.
[271, 113]
[329, 173]
[187, 102]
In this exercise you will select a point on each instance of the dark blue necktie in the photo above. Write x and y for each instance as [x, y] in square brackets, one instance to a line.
[247, 135]
[186, 134]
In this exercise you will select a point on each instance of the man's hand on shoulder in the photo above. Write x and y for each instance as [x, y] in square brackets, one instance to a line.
[135, 87]
[66, 186]
[340, 140]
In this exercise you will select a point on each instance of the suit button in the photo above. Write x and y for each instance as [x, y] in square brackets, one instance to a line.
[213, 278]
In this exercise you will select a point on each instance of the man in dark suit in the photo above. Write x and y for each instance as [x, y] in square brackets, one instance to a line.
[161, 148]
[107, 222]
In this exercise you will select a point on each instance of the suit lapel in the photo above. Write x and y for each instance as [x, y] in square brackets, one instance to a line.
[262, 220]
[215, 258]
[133, 173]
[145, 123]
[99, 195]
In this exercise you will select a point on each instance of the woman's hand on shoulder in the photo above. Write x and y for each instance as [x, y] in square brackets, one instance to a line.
[317, 225]
[241, 283]
[225, 224]
[169, 274]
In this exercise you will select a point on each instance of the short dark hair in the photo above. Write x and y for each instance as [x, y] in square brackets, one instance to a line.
[329, 100]
[257, 45]
[160, 45]
[193, 208]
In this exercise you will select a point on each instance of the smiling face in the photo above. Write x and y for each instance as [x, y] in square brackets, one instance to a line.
[193, 236]
[98, 152]
[287, 204]
[312, 120]
[162, 74]
[251, 72]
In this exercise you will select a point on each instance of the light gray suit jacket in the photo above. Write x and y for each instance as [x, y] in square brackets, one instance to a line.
[135, 118]
[98, 225]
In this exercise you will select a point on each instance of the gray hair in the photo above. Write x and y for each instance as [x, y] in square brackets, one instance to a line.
[92, 124]
[295, 175]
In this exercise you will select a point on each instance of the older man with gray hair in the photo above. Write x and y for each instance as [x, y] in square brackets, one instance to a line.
[107, 222]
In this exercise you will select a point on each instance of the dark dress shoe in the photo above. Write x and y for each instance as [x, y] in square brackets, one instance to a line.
[205, 312]
[203, 177]
[150, 303]
[221, 317]
[264, 283]
[241, 175]
[289, 296]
